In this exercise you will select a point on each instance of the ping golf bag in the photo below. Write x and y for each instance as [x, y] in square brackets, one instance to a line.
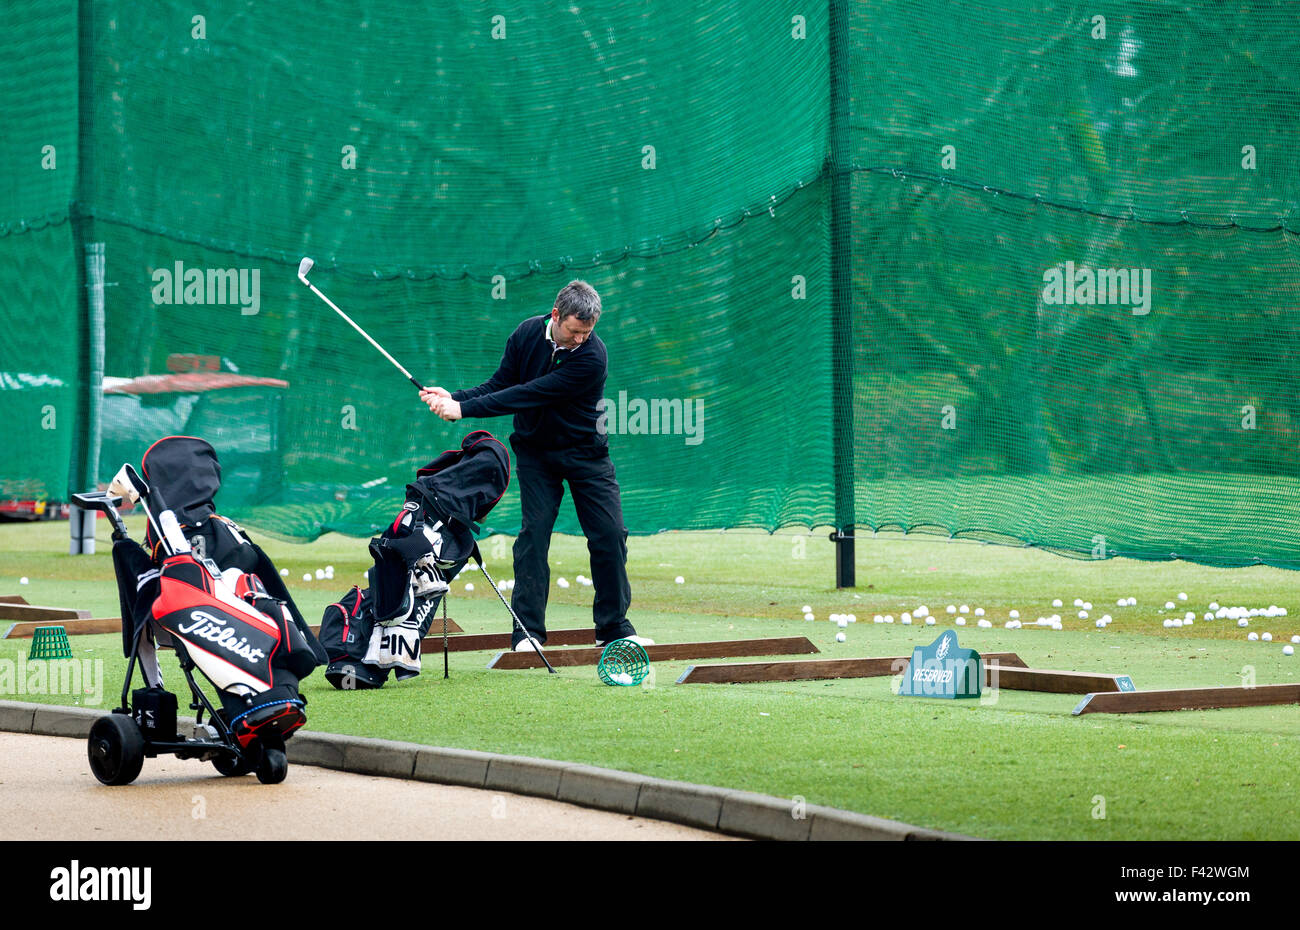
[369, 632]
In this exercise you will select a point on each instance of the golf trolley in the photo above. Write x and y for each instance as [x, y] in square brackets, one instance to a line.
[222, 623]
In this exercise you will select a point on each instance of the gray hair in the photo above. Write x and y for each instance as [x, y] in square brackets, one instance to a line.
[578, 298]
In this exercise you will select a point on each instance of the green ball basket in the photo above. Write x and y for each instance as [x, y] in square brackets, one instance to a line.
[623, 663]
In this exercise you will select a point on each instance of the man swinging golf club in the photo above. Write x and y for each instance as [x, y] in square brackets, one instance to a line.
[552, 377]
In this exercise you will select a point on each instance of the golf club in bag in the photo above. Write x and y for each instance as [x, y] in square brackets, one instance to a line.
[224, 624]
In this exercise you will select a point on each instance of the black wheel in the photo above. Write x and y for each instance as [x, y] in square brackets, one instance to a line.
[273, 767]
[115, 749]
[233, 766]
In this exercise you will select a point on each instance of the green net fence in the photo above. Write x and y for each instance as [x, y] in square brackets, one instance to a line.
[908, 366]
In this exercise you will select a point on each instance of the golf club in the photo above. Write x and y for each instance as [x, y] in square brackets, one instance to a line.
[305, 266]
[478, 557]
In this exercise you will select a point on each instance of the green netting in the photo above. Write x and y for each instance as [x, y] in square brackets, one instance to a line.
[451, 169]
[40, 378]
[1150, 429]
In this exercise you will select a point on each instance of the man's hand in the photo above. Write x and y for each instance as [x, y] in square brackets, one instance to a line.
[448, 409]
[434, 396]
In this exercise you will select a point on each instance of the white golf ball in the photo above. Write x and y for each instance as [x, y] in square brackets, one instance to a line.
[1083, 615]
[1056, 602]
[1214, 605]
[906, 618]
[1169, 605]
[1288, 650]
[1101, 624]
[1168, 623]
[329, 568]
[1175, 622]
[1266, 637]
[1252, 636]
[284, 573]
[1295, 639]
[853, 618]
[1087, 605]
[889, 618]
[1243, 623]
[1078, 602]
[963, 609]
[562, 582]
[306, 577]
[843, 622]
[680, 580]
[1189, 616]
[951, 609]
[1132, 602]
[840, 637]
[809, 616]
[23, 580]
[320, 574]
[1105, 618]
[878, 618]
[1208, 616]
[1122, 602]
[469, 586]
[961, 621]
[985, 623]
[1015, 615]
[921, 611]
[929, 621]
[1182, 595]
[807, 608]
[979, 611]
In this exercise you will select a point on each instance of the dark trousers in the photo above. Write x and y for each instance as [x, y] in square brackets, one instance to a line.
[590, 475]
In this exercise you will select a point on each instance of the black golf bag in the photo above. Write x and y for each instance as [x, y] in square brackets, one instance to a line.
[369, 632]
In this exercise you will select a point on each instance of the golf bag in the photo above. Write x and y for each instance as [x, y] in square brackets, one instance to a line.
[185, 471]
[226, 624]
[370, 632]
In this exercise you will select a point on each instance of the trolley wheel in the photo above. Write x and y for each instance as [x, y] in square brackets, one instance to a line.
[115, 749]
[232, 766]
[273, 767]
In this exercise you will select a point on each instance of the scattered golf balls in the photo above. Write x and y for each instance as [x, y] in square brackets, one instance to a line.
[622, 678]
[985, 623]
[840, 637]
[889, 618]
[469, 586]
[1288, 650]
[680, 580]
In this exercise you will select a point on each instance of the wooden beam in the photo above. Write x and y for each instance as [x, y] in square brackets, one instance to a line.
[23, 629]
[1052, 681]
[667, 652]
[470, 642]
[1141, 702]
[12, 599]
[813, 669]
[28, 612]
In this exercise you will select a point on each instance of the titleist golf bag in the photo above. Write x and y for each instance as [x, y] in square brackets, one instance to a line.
[229, 624]
[371, 631]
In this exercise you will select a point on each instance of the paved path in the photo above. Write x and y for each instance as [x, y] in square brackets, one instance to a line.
[48, 792]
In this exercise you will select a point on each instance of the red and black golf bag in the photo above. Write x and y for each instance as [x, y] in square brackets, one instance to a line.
[371, 631]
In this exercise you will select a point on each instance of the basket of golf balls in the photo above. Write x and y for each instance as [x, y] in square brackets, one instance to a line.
[623, 662]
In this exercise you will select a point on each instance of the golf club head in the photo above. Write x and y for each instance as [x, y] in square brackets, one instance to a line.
[304, 266]
[123, 486]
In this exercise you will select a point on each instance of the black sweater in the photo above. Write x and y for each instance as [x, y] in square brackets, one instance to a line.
[552, 392]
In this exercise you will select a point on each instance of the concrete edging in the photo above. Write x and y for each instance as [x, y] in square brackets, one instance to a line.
[724, 810]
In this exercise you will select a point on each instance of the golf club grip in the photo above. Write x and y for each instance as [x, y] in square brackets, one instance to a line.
[417, 384]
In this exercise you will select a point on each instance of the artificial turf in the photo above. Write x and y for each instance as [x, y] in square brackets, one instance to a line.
[1011, 765]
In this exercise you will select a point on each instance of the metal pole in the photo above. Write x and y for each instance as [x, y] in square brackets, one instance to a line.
[840, 164]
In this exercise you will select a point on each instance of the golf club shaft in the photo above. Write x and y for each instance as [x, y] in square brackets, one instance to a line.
[445, 672]
[519, 623]
[315, 290]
